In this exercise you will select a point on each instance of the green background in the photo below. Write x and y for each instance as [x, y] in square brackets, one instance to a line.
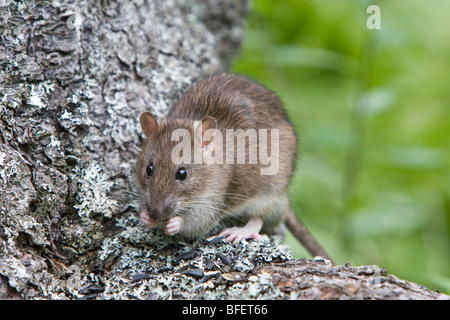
[372, 110]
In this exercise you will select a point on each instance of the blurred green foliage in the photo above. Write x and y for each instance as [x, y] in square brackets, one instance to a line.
[372, 110]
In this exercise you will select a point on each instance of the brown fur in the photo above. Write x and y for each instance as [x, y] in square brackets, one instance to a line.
[227, 192]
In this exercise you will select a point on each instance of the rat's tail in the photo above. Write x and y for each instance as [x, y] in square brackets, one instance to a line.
[298, 229]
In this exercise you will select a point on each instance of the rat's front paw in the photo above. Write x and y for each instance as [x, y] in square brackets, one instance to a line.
[173, 225]
[145, 219]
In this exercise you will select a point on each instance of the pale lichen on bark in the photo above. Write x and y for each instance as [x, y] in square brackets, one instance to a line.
[74, 77]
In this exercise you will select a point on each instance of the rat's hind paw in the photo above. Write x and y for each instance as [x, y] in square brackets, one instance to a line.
[236, 234]
[249, 231]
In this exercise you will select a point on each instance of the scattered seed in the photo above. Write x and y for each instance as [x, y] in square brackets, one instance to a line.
[139, 277]
[218, 267]
[209, 276]
[187, 255]
[209, 263]
[215, 239]
[165, 269]
[225, 259]
[228, 276]
[83, 288]
[90, 289]
[196, 273]
[182, 269]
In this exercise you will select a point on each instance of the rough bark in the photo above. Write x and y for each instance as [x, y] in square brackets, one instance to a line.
[74, 77]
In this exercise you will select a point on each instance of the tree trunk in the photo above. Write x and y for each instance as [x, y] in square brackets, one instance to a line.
[75, 75]
[74, 79]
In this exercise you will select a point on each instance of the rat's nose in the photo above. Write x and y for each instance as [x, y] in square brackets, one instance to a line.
[156, 213]
[158, 210]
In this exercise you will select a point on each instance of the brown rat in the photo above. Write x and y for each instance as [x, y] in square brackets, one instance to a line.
[222, 159]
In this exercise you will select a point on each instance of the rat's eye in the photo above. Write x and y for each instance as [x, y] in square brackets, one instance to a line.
[149, 170]
[181, 174]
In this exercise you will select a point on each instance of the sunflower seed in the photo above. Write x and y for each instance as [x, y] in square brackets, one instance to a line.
[225, 259]
[209, 276]
[165, 269]
[209, 263]
[215, 239]
[138, 277]
[91, 288]
[228, 276]
[196, 273]
[182, 269]
[187, 255]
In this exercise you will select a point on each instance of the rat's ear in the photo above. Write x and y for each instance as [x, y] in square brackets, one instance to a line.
[148, 123]
[208, 123]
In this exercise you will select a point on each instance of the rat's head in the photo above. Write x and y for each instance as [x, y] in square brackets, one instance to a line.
[172, 181]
